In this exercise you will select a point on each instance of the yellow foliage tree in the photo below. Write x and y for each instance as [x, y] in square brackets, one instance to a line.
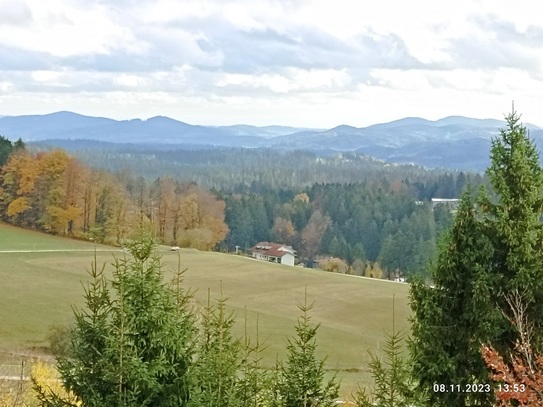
[17, 206]
[27, 169]
[45, 377]
[374, 270]
[283, 230]
[58, 218]
[201, 220]
[303, 197]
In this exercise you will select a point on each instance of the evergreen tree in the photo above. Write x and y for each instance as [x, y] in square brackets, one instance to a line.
[492, 250]
[132, 347]
[214, 375]
[514, 224]
[302, 382]
[6, 147]
[255, 383]
[393, 383]
[452, 317]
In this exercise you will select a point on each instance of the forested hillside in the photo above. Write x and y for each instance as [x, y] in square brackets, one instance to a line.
[54, 192]
[239, 170]
[375, 217]
[361, 223]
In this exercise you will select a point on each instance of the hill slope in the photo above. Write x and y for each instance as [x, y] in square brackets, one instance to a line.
[38, 289]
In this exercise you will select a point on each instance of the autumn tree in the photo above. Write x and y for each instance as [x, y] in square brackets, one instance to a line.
[202, 223]
[283, 231]
[313, 232]
[518, 377]
[19, 177]
[63, 207]
[42, 190]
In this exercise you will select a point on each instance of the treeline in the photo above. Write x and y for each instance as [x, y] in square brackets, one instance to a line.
[241, 170]
[364, 209]
[377, 227]
[380, 226]
[54, 192]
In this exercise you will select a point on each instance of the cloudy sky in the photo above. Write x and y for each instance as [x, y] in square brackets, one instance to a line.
[313, 63]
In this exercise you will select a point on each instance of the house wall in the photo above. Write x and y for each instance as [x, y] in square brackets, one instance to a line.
[260, 256]
[288, 259]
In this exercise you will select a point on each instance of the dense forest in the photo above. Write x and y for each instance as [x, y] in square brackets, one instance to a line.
[375, 217]
[255, 170]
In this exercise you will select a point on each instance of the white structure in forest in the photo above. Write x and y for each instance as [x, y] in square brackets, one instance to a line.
[274, 252]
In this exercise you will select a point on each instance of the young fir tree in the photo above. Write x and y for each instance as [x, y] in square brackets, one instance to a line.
[132, 347]
[214, 376]
[394, 386]
[254, 387]
[301, 381]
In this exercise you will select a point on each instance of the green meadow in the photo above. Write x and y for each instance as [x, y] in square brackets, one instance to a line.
[41, 280]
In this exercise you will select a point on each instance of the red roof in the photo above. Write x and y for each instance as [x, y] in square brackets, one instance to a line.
[272, 249]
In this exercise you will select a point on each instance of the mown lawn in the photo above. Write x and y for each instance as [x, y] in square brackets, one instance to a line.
[38, 289]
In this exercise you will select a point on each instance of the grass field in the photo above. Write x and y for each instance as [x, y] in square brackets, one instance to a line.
[38, 289]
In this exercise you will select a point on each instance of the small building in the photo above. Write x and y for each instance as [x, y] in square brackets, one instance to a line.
[451, 203]
[274, 252]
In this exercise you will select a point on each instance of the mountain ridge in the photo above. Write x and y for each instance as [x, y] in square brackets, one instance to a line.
[455, 142]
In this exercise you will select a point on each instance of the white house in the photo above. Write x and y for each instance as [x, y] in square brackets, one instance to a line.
[274, 252]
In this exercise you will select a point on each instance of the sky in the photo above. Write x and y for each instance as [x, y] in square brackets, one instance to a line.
[305, 63]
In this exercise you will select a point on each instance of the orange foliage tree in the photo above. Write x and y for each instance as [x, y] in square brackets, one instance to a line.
[202, 223]
[55, 192]
[518, 377]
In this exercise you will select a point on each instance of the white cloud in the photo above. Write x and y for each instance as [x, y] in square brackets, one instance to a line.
[131, 81]
[303, 62]
[15, 13]
[46, 76]
[6, 86]
[63, 28]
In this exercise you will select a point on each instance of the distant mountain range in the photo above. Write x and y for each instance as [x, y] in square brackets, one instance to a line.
[454, 142]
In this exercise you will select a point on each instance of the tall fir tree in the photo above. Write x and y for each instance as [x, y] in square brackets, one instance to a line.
[492, 248]
[514, 225]
[450, 318]
[6, 148]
